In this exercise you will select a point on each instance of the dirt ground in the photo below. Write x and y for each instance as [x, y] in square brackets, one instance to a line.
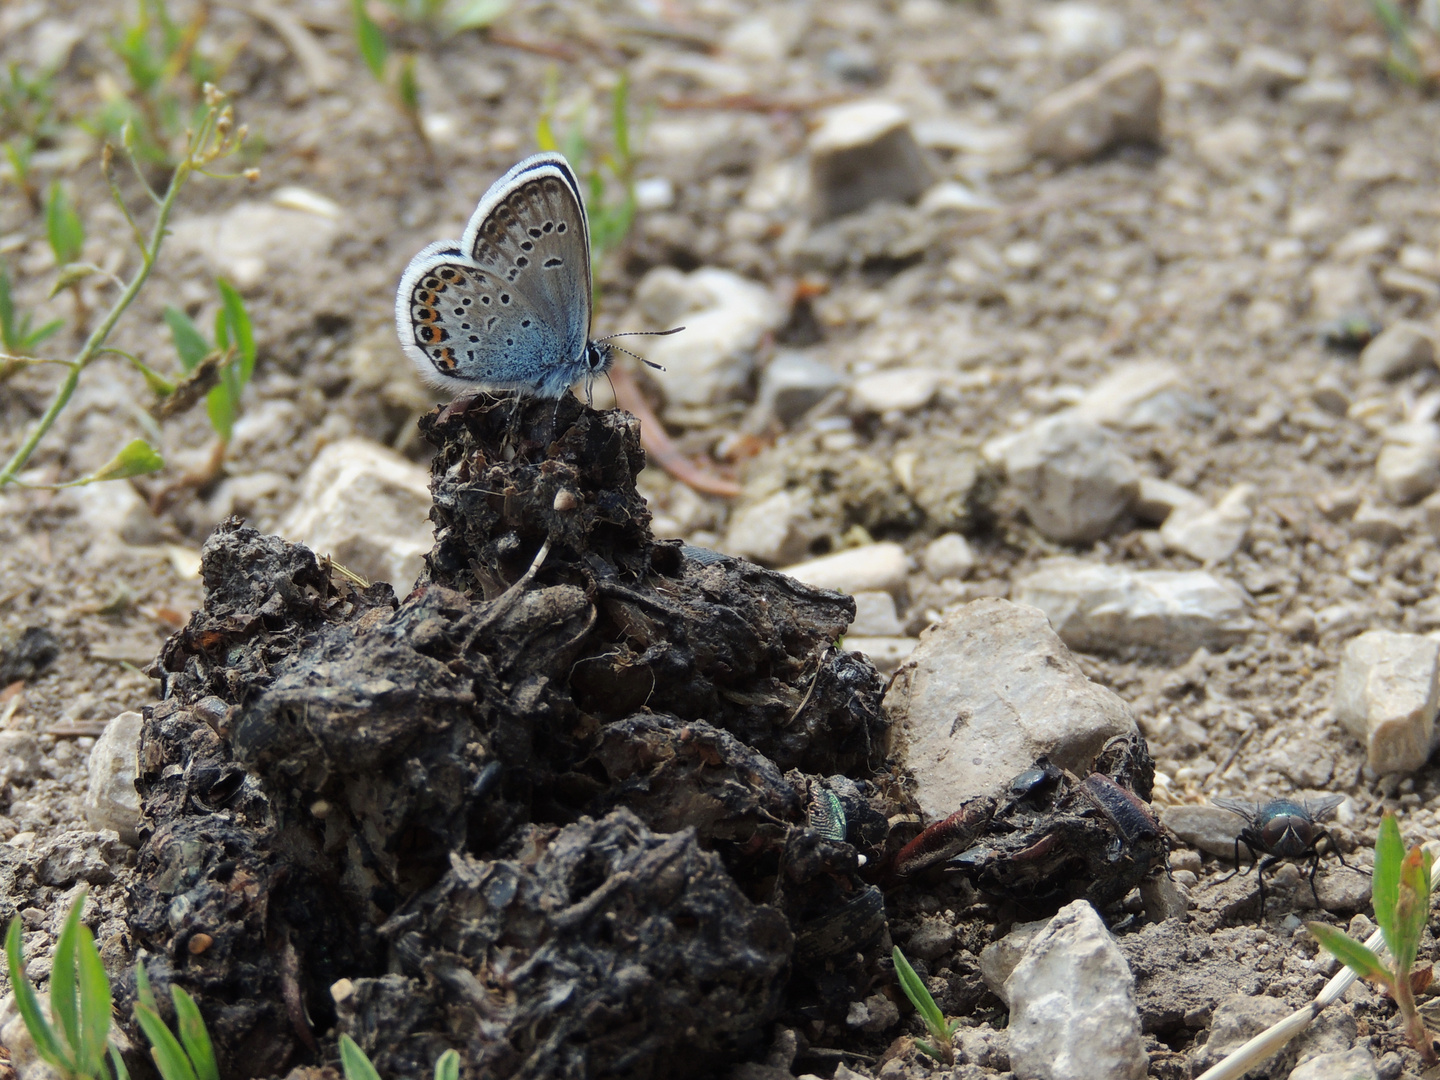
[1257, 218]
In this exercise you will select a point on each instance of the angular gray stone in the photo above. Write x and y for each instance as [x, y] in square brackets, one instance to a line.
[1408, 466]
[948, 556]
[1387, 692]
[933, 938]
[1211, 533]
[770, 531]
[1236, 1021]
[861, 153]
[875, 616]
[998, 959]
[1116, 104]
[1158, 499]
[1072, 477]
[1072, 1004]
[1096, 607]
[793, 383]
[1260, 67]
[111, 801]
[1209, 828]
[988, 690]
[366, 507]
[1397, 351]
[725, 317]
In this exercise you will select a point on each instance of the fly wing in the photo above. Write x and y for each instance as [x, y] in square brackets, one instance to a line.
[1320, 809]
[1246, 810]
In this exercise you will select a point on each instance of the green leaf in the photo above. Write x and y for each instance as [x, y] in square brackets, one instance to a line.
[118, 1064]
[237, 322]
[447, 1066]
[63, 225]
[220, 404]
[1412, 911]
[27, 1002]
[64, 1009]
[96, 1003]
[194, 1035]
[407, 89]
[144, 993]
[169, 1055]
[545, 134]
[353, 1060]
[370, 39]
[138, 458]
[926, 1048]
[1351, 953]
[919, 995]
[9, 331]
[190, 344]
[30, 338]
[1385, 886]
[474, 14]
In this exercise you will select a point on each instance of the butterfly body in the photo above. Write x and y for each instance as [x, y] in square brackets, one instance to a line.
[507, 307]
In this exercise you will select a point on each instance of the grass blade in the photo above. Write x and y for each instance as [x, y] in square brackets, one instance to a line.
[63, 226]
[118, 1064]
[63, 1007]
[1385, 888]
[169, 1055]
[27, 1002]
[918, 994]
[353, 1060]
[447, 1066]
[370, 39]
[96, 1004]
[237, 321]
[194, 1035]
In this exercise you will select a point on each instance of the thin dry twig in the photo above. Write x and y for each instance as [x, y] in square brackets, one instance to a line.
[658, 444]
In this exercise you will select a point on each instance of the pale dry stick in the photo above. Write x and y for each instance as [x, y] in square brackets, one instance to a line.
[1270, 1041]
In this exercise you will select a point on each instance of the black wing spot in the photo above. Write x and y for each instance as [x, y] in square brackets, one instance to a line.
[535, 233]
[464, 326]
[466, 301]
[548, 226]
[432, 283]
[459, 311]
[521, 261]
[560, 227]
[485, 299]
[491, 324]
[448, 275]
[526, 245]
[473, 339]
[552, 263]
[525, 323]
[505, 298]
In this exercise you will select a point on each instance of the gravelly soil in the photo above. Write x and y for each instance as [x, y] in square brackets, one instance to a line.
[1220, 250]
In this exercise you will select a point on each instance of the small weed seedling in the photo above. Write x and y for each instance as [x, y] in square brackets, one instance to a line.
[608, 174]
[1401, 894]
[942, 1031]
[1414, 56]
[16, 335]
[76, 1038]
[26, 122]
[215, 138]
[224, 366]
[358, 1067]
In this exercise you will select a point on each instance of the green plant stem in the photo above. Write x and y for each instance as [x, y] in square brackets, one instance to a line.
[1415, 1029]
[95, 343]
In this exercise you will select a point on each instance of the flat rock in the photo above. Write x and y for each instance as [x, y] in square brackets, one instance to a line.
[1158, 499]
[1118, 103]
[724, 315]
[998, 959]
[863, 152]
[1399, 350]
[1096, 607]
[1072, 478]
[1357, 1063]
[1236, 1021]
[1116, 399]
[1260, 67]
[1072, 1004]
[1387, 692]
[366, 507]
[989, 689]
[1211, 829]
[871, 568]
[111, 801]
[252, 240]
[1211, 533]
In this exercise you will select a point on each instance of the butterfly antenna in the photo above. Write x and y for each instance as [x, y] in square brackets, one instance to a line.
[641, 333]
[637, 356]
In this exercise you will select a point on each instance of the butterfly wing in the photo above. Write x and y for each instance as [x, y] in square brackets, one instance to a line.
[531, 233]
[508, 306]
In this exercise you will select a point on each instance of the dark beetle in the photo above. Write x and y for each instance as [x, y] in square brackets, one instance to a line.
[1283, 829]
